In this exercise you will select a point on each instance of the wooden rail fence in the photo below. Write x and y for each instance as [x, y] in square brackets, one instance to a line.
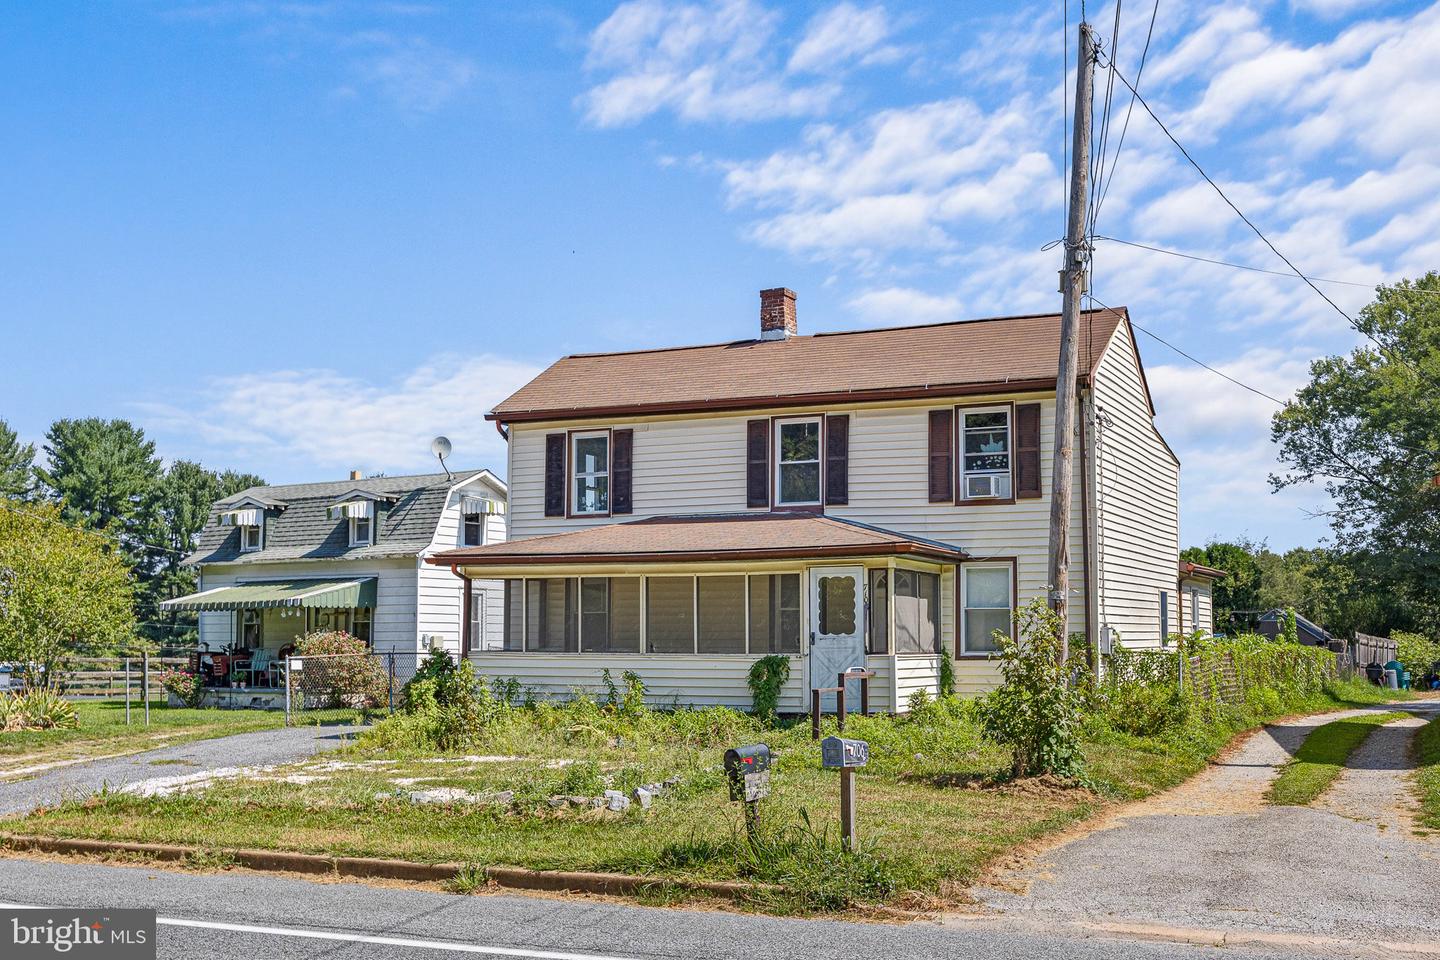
[104, 678]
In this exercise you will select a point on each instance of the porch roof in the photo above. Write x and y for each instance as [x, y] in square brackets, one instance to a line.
[710, 537]
[358, 592]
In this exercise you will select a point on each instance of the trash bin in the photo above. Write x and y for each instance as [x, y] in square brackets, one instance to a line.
[1394, 673]
[1392, 681]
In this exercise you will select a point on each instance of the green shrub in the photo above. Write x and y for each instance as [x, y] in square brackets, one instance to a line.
[1289, 627]
[767, 677]
[947, 674]
[36, 709]
[1416, 653]
[1034, 711]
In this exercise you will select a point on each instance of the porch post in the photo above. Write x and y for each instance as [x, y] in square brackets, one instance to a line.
[465, 638]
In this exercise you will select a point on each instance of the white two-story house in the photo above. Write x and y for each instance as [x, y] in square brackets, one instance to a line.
[867, 498]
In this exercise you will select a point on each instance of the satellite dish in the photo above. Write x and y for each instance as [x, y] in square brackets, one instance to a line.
[440, 446]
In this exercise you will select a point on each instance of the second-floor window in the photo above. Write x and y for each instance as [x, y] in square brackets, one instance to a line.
[590, 471]
[361, 531]
[985, 452]
[797, 462]
[252, 537]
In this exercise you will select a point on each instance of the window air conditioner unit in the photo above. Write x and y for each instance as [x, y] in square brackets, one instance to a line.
[982, 488]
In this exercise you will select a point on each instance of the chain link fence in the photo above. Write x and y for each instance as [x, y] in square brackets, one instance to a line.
[346, 688]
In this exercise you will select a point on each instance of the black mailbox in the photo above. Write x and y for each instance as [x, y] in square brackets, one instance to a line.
[748, 771]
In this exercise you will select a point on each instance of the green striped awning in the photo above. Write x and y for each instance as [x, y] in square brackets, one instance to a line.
[280, 593]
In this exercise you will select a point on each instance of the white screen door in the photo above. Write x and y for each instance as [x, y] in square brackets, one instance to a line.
[837, 630]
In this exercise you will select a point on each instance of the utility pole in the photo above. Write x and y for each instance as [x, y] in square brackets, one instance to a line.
[1072, 286]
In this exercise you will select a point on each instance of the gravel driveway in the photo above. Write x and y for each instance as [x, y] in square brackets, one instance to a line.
[1211, 856]
[197, 758]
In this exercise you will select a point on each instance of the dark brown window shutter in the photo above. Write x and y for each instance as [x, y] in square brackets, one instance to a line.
[554, 474]
[942, 460]
[1027, 450]
[837, 459]
[622, 456]
[757, 463]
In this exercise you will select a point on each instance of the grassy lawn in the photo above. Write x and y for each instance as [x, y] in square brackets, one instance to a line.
[1427, 773]
[1321, 758]
[934, 806]
[103, 731]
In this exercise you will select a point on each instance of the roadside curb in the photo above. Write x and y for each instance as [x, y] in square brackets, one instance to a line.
[554, 881]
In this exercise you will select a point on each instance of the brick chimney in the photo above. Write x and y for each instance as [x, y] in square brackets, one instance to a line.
[354, 474]
[777, 314]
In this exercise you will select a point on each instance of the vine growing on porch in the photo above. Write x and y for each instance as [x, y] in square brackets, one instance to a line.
[767, 676]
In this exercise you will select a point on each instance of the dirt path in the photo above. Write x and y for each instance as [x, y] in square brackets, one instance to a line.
[1211, 856]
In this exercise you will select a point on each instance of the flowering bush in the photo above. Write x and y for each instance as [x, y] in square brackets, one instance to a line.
[186, 686]
[344, 672]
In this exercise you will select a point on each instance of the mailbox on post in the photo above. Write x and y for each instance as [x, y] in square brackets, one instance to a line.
[847, 756]
[840, 752]
[748, 770]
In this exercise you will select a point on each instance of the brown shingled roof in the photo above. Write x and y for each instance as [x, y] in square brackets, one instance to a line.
[758, 536]
[972, 356]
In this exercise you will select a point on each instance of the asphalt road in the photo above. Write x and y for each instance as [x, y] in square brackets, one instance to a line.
[259, 749]
[230, 915]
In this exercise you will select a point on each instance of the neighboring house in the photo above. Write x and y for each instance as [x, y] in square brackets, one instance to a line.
[279, 561]
[1197, 598]
[1272, 622]
[868, 498]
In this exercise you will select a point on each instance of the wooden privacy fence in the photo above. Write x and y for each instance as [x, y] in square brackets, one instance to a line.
[1365, 649]
[105, 678]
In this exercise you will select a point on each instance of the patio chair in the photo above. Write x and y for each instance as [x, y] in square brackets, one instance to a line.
[262, 663]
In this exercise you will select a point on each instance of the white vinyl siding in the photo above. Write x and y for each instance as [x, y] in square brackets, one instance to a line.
[1138, 517]
[440, 594]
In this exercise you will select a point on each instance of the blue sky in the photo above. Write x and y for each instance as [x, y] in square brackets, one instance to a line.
[299, 238]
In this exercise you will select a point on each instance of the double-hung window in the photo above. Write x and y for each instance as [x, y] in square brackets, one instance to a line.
[797, 462]
[985, 449]
[988, 603]
[252, 538]
[590, 472]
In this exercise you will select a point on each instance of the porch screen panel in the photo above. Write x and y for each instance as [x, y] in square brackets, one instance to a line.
[722, 614]
[624, 615]
[917, 612]
[514, 614]
[670, 614]
[594, 614]
[775, 614]
[551, 612]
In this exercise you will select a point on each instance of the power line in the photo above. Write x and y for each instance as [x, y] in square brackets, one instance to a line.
[1125, 127]
[1225, 376]
[1239, 213]
[1245, 266]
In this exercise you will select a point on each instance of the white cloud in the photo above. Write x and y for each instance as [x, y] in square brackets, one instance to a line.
[329, 420]
[897, 306]
[899, 179]
[414, 74]
[713, 62]
[842, 34]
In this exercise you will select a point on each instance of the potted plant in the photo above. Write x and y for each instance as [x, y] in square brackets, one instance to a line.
[237, 679]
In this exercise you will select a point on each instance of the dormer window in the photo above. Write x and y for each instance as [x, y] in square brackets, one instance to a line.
[361, 531]
[473, 530]
[247, 516]
[252, 538]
